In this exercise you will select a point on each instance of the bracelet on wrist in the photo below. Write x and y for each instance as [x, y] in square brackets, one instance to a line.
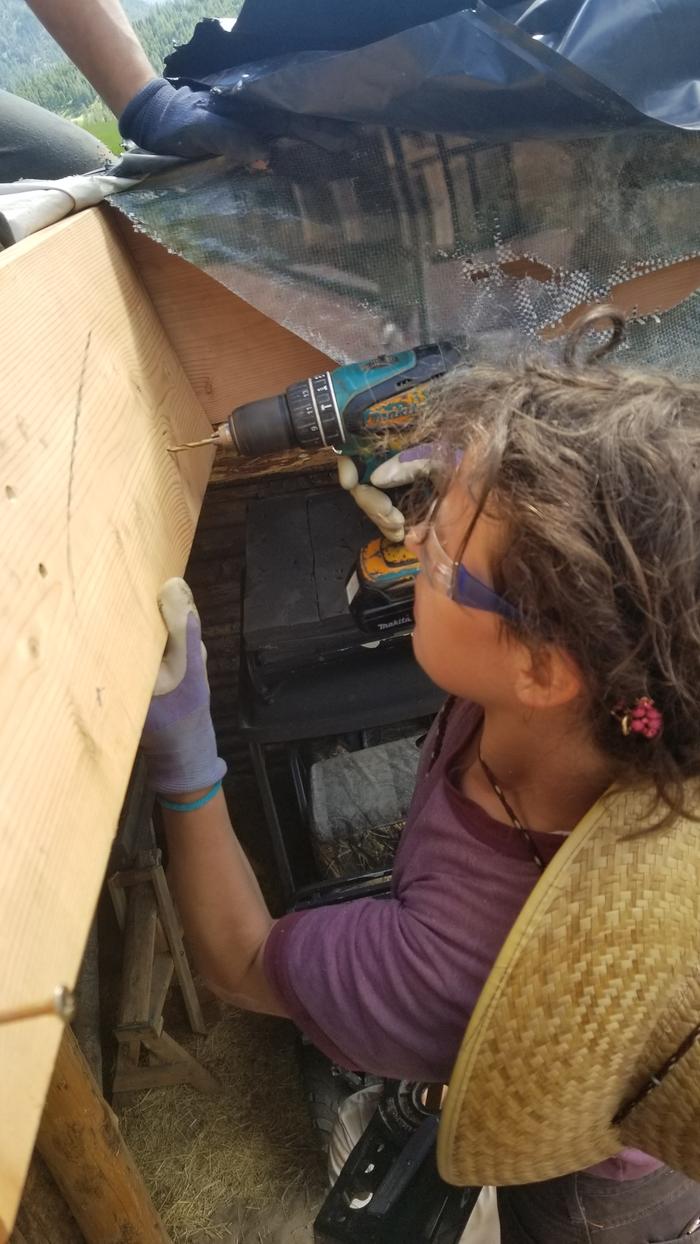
[172, 806]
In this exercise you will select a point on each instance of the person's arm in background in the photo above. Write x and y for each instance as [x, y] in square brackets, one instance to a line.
[224, 914]
[99, 39]
[153, 114]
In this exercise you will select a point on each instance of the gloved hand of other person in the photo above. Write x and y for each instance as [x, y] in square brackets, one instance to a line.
[178, 737]
[398, 471]
[181, 121]
[195, 122]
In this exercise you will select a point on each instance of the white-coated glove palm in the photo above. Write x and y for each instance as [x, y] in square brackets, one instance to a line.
[178, 737]
[399, 470]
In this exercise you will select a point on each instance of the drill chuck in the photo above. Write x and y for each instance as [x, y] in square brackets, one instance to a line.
[305, 417]
[259, 428]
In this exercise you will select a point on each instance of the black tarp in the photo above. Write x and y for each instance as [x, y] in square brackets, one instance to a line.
[499, 68]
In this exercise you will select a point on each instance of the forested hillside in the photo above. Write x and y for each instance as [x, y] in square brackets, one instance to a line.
[26, 48]
[63, 89]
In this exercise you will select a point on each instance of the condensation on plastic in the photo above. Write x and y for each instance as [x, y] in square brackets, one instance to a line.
[411, 238]
[499, 69]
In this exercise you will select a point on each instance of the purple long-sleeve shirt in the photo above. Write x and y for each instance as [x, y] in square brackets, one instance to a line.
[388, 986]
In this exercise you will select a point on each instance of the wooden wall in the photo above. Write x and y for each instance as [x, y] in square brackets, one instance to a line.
[230, 352]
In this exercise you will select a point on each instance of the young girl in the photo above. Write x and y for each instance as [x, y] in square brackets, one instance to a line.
[558, 605]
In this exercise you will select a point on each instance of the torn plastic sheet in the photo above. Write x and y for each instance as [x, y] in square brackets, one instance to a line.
[411, 238]
[503, 69]
[28, 205]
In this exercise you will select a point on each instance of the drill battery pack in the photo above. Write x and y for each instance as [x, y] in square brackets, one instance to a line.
[302, 551]
[380, 589]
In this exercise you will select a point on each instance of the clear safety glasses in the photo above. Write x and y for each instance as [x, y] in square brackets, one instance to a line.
[450, 577]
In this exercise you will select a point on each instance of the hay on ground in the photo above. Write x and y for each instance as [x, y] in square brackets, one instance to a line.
[209, 1161]
[361, 852]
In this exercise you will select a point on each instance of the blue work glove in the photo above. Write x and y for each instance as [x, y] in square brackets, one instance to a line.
[180, 121]
[178, 738]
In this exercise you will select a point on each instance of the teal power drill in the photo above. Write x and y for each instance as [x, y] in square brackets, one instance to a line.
[344, 410]
[339, 409]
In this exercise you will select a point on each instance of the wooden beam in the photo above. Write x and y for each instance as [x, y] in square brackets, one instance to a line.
[80, 1141]
[230, 351]
[645, 293]
[96, 514]
[179, 1064]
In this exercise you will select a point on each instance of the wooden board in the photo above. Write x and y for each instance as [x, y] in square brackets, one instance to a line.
[646, 293]
[231, 352]
[96, 514]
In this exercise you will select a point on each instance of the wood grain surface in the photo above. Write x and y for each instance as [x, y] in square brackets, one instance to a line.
[81, 1143]
[230, 352]
[96, 514]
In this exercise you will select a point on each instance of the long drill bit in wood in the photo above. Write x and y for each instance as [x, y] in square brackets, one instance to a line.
[208, 440]
[61, 1003]
[222, 434]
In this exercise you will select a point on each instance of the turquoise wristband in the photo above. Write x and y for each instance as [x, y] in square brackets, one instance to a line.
[189, 807]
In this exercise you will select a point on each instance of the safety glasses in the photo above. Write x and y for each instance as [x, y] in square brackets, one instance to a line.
[450, 577]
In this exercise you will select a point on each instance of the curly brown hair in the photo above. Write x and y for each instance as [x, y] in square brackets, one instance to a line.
[596, 472]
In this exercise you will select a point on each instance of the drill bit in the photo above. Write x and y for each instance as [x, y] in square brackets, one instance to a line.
[61, 1003]
[221, 435]
[208, 440]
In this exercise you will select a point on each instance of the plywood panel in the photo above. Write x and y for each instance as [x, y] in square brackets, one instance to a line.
[231, 352]
[95, 515]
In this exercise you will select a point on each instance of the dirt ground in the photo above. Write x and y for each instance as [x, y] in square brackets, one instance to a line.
[293, 1224]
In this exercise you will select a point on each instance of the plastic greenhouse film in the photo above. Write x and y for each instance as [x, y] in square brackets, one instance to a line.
[411, 238]
[648, 51]
[267, 28]
[472, 72]
[433, 225]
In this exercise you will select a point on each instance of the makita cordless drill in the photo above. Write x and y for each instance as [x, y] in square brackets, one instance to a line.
[339, 409]
[350, 410]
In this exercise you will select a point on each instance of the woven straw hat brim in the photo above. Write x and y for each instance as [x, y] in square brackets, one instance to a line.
[595, 987]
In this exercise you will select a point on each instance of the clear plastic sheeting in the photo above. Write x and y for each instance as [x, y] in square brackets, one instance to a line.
[408, 238]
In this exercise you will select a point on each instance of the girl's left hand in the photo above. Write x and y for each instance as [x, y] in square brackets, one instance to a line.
[178, 738]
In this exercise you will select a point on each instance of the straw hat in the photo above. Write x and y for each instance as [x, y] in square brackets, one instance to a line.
[596, 987]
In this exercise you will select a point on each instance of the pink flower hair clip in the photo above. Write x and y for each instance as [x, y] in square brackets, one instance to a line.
[642, 718]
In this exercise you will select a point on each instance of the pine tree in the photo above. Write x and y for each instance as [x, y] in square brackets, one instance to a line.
[63, 89]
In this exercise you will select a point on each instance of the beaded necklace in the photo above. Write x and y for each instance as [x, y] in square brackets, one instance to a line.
[441, 728]
[517, 824]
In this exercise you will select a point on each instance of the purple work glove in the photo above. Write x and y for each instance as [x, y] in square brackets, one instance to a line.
[180, 121]
[178, 737]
